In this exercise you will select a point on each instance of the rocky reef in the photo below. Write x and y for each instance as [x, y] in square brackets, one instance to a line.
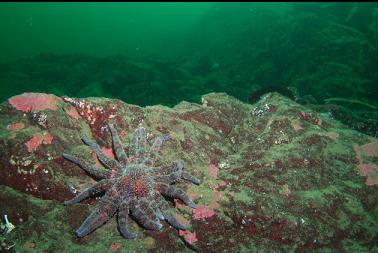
[275, 176]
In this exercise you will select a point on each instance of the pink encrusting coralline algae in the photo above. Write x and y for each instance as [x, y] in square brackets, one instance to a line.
[37, 140]
[202, 212]
[27, 102]
[365, 169]
[71, 111]
[332, 135]
[213, 170]
[371, 149]
[15, 126]
[189, 237]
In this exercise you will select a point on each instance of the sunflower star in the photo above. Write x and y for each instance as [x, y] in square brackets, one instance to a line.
[132, 184]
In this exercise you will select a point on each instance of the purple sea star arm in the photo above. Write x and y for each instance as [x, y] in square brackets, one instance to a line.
[90, 169]
[123, 214]
[146, 215]
[170, 174]
[138, 142]
[177, 193]
[153, 201]
[173, 221]
[164, 208]
[100, 186]
[154, 150]
[156, 146]
[104, 210]
[188, 177]
[108, 162]
[118, 148]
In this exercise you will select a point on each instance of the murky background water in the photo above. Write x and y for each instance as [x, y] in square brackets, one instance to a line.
[323, 55]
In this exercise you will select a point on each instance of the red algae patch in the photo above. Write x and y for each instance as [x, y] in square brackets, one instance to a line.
[15, 126]
[202, 212]
[37, 140]
[332, 135]
[213, 170]
[115, 246]
[71, 111]
[296, 126]
[108, 152]
[371, 149]
[189, 237]
[366, 168]
[33, 102]
[369, 170]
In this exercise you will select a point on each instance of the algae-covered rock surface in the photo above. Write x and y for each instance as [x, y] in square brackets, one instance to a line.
[275, 176]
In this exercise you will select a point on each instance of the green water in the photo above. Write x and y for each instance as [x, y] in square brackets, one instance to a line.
[164, 53]
[97, 29]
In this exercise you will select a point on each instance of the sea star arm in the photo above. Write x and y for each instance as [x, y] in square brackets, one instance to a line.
[118, 148]
[185, 175]
[145, 215]
[108, 162]
[156, 146]
[177, 193]
[90, 169]
[104, 210]
[164, 208]
[138, 142]
[153, 153]
[123, 215]
[173, 221]
[154, 203]
[169, 174]
[100, 186]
